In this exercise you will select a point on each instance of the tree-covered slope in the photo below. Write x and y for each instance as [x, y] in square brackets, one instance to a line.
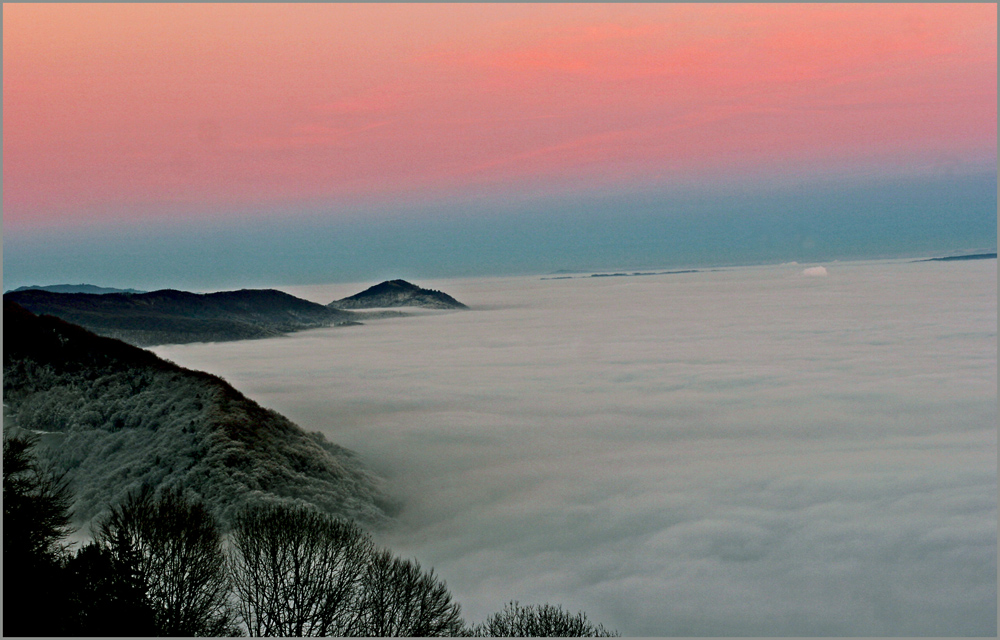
[114, 417]
[169, 316]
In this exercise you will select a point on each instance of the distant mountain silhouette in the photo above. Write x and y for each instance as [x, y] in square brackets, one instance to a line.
[641, 273]
[113, 417]
[975, 256]
[176, 317]
[397, 293]
[623, 274]
[76, 288]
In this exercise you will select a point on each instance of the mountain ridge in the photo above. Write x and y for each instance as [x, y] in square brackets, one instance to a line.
[169, 316]
[75, 288]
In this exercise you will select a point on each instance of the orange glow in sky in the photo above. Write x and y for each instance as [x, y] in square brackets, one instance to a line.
[155, 109]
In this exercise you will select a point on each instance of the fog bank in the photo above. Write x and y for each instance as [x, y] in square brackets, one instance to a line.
[739, 452]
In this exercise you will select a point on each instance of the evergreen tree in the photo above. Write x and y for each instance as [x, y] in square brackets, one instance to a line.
[36, 520]
[107, 596]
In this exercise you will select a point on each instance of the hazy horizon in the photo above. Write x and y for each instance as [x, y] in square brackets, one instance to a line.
[245, 145]
[811, 223]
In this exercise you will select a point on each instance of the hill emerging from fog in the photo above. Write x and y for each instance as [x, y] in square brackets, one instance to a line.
[178, 317]
[397, 293]
[113, 416]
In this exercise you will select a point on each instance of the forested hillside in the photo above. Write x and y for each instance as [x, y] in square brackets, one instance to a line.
[114, 417]
[177, 317]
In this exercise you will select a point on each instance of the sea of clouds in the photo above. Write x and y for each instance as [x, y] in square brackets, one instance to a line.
[733, 452]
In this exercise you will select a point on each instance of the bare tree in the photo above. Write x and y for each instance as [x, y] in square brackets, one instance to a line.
[174, 548]
[537, 621]
[402, 600]
[297, 571]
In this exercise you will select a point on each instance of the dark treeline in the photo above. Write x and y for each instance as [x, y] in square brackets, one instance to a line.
[161, 565]
[179, 317]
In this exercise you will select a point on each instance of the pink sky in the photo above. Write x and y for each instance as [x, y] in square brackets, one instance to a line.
[163, 110]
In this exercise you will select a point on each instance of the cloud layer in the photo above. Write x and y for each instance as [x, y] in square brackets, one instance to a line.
[742, 452]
